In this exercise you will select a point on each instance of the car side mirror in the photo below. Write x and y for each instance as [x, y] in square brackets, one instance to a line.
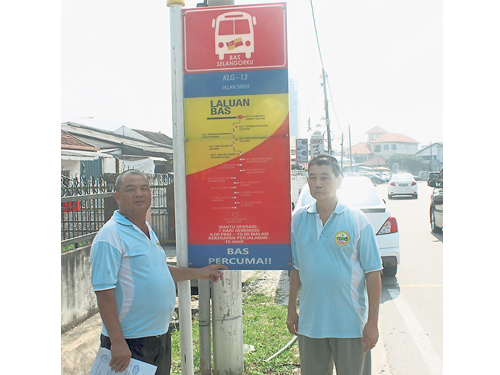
[432, 183]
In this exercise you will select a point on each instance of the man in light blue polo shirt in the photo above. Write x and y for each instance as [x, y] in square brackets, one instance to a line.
[337, 267]
[133, 283]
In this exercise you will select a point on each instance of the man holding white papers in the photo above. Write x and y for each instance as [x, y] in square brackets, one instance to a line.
[134, 285]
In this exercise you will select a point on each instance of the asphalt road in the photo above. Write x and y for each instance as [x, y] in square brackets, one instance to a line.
[411, 311]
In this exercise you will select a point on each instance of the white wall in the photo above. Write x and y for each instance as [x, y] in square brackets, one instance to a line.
[73, 166]
[109, 165]
[78, 301]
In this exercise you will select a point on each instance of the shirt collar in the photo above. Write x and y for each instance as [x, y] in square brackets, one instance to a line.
[341, 206]
[118, 217]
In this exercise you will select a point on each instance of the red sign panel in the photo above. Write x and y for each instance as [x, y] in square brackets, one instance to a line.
[236, 38]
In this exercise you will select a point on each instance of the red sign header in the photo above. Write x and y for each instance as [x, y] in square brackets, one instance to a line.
[235, 38]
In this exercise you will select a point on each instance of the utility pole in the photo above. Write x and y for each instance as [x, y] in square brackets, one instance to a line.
[350, 150]
[227, 321]
[342, 152]
[327, 115]
[204, 327]
[217, 3]
[430, 158]
[184, 287]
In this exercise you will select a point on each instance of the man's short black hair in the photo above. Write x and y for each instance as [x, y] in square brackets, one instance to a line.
[118, 182]
[325, 159]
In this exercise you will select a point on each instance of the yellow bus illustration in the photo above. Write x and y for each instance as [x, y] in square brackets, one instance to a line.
[234, 34]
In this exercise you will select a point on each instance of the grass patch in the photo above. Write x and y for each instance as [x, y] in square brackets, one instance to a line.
[264, 327]
[72, 246]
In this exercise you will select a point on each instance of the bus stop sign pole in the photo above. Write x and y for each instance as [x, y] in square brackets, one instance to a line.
[184, 287]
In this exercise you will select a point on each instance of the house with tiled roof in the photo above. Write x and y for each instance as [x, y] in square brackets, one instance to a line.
[387, 144]
[381, 145]
[145, 151]
[157, 137]
[360, 153]
[375, 132]
[69, 142]
[79, 158]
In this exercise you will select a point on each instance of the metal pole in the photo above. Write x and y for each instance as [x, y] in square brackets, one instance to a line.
[342, 152]
[327, 115]
[430, 160]
[204, 327]
[184, 287]
[228, 324]
[350, 150]
[216, 3]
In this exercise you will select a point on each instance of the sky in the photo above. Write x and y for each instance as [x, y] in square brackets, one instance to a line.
[383, 58]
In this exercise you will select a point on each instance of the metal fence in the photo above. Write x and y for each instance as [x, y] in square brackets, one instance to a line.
[87, 203]
[162, 206]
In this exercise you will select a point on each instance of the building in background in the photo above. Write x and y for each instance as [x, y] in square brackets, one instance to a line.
[387, 144]
[146, 151]
[432, 154]
[80, 159]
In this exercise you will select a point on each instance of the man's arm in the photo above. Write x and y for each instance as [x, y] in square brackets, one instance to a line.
[374, 289]
[120, 352]
[210, 272]
[292, 319]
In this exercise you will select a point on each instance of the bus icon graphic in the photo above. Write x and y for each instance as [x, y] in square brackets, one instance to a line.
[234, 34]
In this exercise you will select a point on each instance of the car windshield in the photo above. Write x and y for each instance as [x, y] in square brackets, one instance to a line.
[355, 191]
[402, 177]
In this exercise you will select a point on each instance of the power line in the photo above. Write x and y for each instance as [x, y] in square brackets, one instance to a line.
[333, 107]
[324, 81]
[317, 39]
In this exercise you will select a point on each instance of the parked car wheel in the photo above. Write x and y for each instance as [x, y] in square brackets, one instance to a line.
[434, 228]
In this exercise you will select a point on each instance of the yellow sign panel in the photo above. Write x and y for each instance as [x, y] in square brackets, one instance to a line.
[219, 129]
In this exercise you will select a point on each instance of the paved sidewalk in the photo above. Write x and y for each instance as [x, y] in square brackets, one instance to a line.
[79, 346]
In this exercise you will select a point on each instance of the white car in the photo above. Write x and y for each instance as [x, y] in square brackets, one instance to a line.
[402, 184]
[359, 192]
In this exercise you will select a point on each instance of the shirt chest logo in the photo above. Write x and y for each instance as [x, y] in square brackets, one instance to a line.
[342, 238]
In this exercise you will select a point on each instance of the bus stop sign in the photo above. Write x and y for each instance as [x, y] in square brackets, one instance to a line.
[236, 118]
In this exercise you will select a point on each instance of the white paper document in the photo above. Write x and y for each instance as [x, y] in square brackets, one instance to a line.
[136, 367]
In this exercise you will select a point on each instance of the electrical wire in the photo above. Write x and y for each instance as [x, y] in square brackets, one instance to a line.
[323, 67]
[333, 107]
[317, 39]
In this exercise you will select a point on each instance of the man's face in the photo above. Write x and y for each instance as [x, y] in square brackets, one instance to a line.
[134, 196]
[322, 182]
